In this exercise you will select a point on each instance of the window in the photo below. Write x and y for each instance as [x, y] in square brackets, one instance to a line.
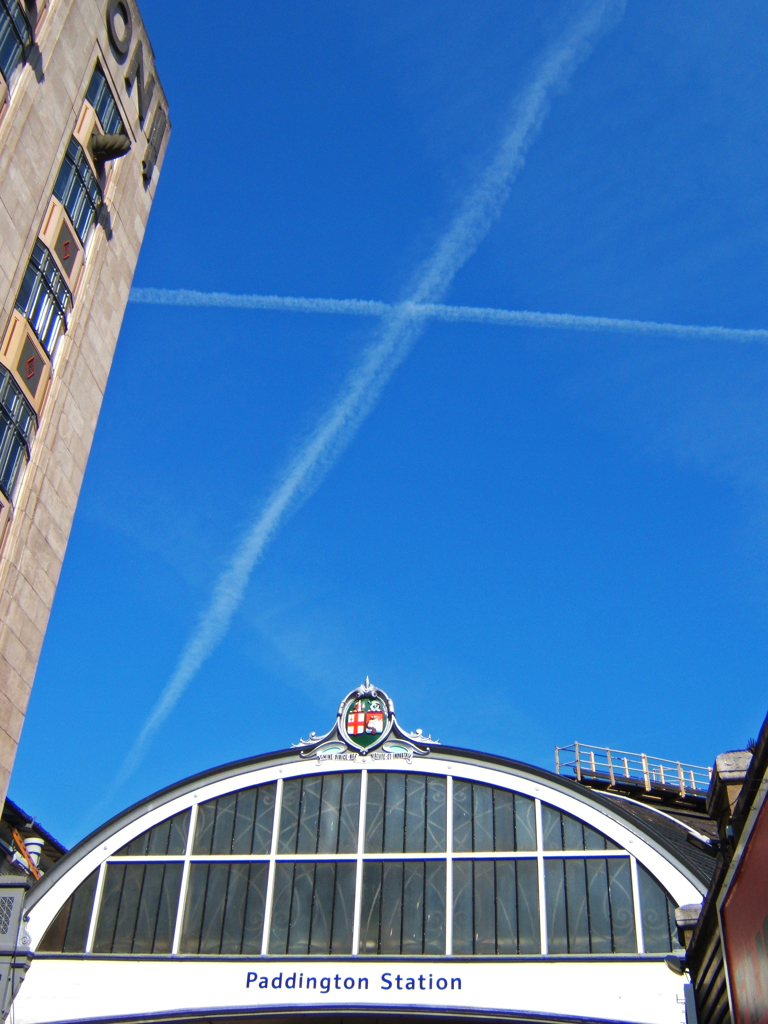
[169, 837]
[99, 95]
[237, 823]
[320, 814]
[138, 908]
[403, 907]
[496, 907]
[659, 927]
[17, 430]
[15, 36]
[589, 905]
[313, 908]
[490, 819]
[69, 930]
[276, 869]
[225, 909]
[78, 190]
[405, 813]
[44, 299]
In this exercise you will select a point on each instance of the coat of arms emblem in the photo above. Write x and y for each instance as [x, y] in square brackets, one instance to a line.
[365, 719]
[366, 722]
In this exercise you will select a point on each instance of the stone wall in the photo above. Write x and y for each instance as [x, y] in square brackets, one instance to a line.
[46, 98]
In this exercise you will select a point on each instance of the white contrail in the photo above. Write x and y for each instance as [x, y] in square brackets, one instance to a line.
[396, 335]
[438, 311]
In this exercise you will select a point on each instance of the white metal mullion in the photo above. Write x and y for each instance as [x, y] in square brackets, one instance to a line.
[95, 908]
[449, 865]
[636, 903]
[271, 874]
[359, 868]
[542, 895]
[184, 879]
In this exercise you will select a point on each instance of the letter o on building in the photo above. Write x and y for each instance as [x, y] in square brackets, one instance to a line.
[442, 983]
[120, 42]
[349, 983]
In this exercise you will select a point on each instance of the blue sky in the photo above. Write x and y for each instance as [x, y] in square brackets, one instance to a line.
[535, 536]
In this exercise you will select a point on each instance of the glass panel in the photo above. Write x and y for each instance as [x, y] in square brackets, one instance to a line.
[403, 907]
[13, 454]
[43, 298]
[15, 36]
[68, 931]
[462, 816]
[239, 822]
[564, 832]
[589, 905]
[138, 908]
[225, 908]
[320, 814]
[658, 909]
[313, 908]
[169, 837]
[495, 907]
[489, 819]
[405, 813]
[101, 99]
[78, 190]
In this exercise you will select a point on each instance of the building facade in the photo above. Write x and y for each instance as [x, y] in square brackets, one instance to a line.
[83, 129]
[367, 871]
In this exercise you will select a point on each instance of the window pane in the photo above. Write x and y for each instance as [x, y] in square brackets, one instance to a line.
[436, 804]
[463, 915]
[525, 823]
[168, 837]
[405, 813]
[309, 814]
[350, 812]
[43, 297]
[496, 907]
[138, 908]
[330, 811]
[564, 832]
[78, 190]
[99, 95]
[68, 931]
[503, 819]
[15, 37]
[622, 906]
[315, 911]
[403, 909]
[225, 908]
[462, 816]
[239, 822]
[394, 813]
[659, 929]
[589, 905]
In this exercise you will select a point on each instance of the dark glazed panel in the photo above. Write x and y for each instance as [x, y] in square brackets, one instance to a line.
[313, 908]
[589, 905]
[224, 911]
[403, 908]
[564, 832]
[320, 814]
[169, 838]
[405, 813]
[239, 823]
[487, 819]
[495, 907]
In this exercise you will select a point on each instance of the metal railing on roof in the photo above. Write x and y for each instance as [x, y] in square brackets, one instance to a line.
[602, 764]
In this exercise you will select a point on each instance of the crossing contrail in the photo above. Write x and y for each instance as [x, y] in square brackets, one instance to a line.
[438, 311]
[393, 339]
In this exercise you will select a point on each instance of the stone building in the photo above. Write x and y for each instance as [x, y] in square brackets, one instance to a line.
[83, 129]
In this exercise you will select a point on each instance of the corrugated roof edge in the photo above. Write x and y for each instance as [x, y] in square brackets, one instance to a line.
[233, 768]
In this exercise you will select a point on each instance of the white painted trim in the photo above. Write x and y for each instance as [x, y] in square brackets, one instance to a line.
[272, 861]
[540, 873]
[359, 859]
[449, 866]
[637, 905]
[184, 880]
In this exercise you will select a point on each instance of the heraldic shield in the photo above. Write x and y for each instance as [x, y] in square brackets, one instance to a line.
[365, 718]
